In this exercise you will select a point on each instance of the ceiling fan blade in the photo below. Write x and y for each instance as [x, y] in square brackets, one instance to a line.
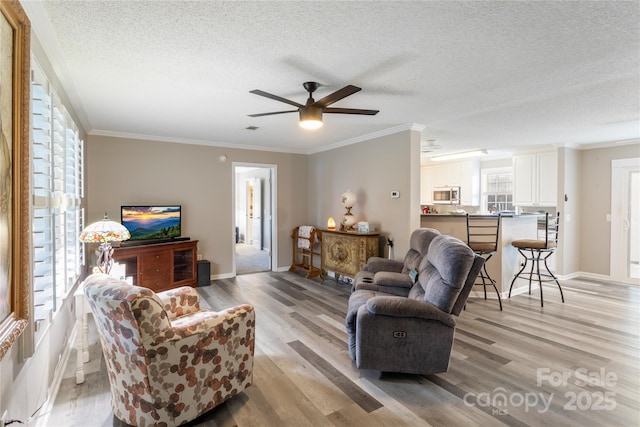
[275, 97]
[271, 114]
[351, 111]
[337, 95]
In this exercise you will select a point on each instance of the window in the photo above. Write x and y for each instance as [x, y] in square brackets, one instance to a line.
[497, 190]
[57, 192]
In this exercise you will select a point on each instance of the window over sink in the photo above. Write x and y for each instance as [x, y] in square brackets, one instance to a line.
[497, 189]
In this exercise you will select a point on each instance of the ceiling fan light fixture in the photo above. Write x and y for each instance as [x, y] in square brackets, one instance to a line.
[311, 112]
[311, 118]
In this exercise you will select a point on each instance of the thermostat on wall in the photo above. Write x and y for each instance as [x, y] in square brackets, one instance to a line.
[395, 194]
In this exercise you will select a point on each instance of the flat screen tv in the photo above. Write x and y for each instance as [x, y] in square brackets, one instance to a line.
[152, 222]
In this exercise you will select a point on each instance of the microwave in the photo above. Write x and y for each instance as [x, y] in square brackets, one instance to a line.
[446, 196]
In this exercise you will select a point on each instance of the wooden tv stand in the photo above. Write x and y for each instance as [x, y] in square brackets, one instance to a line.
[160, 266]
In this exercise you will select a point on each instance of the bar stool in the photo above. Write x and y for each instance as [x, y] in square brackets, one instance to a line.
[541, 249]
[482, 238]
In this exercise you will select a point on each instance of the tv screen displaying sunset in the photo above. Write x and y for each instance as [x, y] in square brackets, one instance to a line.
[152, 222]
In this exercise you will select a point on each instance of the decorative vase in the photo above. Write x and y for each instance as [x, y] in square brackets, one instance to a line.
[348, 220]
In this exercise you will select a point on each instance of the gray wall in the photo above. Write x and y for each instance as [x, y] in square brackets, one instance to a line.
[129, 171]
[371, 169]
[569, 184]
[595, 184]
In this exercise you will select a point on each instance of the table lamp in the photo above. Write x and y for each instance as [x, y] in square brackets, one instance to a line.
[104, 232]
[348, 200]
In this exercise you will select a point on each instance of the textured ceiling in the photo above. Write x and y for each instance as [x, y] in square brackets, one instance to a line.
[495, 75]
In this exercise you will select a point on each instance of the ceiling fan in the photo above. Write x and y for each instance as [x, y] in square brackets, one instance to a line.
[311, 112]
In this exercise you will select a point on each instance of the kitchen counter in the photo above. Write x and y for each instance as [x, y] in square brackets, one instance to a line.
[509, 215]
[505, 263]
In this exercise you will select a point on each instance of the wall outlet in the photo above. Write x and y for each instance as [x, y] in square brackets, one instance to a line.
[395, 194]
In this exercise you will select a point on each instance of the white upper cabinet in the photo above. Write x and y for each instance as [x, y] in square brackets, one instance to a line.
[446, 175]
[523, 180]
[463, 174]
[535, 179]
[470, 183]
[426, 185]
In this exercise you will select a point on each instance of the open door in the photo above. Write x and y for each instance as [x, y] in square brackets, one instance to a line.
[254, 218]
[258, 214]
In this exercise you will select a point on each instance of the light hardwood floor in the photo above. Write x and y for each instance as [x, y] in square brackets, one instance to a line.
[571, 364]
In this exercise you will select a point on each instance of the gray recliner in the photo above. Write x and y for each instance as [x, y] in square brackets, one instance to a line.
[414, 333]
[393, 277]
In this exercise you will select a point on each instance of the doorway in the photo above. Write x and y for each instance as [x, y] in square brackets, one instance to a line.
[254, 219]
[625, 220]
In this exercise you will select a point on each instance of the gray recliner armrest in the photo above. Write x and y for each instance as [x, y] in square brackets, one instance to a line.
[393, 279]
[376, 264]
[406, 307]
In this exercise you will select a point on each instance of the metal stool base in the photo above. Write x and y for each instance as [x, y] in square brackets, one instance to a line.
[535, 258]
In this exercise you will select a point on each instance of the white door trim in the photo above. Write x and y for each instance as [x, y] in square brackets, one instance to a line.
[274, 209]
[618, 266]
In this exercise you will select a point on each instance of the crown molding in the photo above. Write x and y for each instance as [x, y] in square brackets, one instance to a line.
[172, 140]
[366, 137]
[157, 138]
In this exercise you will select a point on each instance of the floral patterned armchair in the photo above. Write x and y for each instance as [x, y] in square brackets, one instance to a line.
[168, 360]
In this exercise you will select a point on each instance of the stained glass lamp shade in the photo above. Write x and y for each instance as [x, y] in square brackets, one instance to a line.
[104, 232]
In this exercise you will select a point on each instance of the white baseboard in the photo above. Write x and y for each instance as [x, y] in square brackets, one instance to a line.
[222, 276]
[43, 420]
[231, 275]
[477, 291]
[584, 274]
[491, 293]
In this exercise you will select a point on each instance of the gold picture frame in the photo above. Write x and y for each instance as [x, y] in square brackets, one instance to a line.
[14, 173]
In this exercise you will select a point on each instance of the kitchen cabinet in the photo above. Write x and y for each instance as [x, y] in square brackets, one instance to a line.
[470, 183]
[446, 175]
[463, 174]
[535, 179]
[426, 185]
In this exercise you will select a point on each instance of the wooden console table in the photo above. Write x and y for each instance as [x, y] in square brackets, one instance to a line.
[346, 252]
[161, 266]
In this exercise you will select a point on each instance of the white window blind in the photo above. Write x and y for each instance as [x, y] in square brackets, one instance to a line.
[497, 189]
[57, 190]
